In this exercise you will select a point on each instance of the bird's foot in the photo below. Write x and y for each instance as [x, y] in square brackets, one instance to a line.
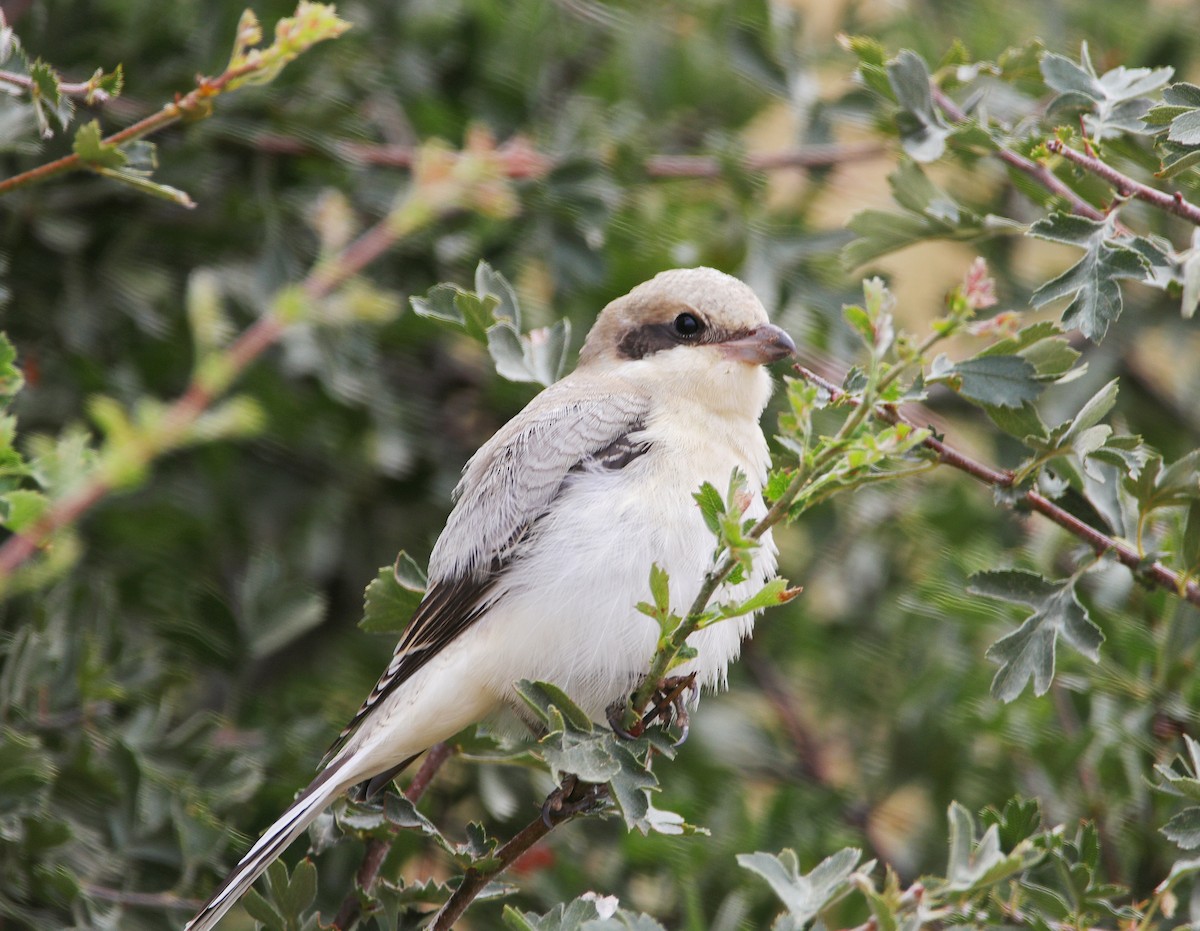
[671, 701]
[571, 798]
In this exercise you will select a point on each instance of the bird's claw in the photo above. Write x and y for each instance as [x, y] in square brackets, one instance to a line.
[671, 700]
[677, 691]
[570, 798]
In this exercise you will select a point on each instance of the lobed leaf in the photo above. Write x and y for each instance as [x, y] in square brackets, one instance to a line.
[1091, 283]
[1028, 652]
[804, 895]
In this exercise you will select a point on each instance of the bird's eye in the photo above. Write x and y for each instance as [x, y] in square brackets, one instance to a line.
[687, 325]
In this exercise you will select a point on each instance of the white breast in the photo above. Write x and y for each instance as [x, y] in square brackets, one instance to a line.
[566, 612]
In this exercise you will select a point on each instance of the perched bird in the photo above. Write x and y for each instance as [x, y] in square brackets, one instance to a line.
[559, 518]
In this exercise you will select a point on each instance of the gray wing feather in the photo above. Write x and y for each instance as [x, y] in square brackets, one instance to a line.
[505, 488]
[516, 474]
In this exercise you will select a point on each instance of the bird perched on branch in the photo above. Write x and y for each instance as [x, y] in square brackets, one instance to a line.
[559, 518]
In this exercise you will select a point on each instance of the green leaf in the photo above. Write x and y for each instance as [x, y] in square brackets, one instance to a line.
[587, 913]
[712, 506]
[1180, 112]
[1064, 76]
[393, 596]
[1095, 410]
[545, 699]
[23, 507]
[262, 911]
[1185, 128]
[301, 890]
[1028, 652]
[465, 309]
[805, 896]
[1191, 536]
[1156, 487]
[930, 213]
[140, 182]
[922, 131]
[1018, 820]
[1021, 422]
[775, 592]
[1091, 283]
[631, 786]
[490, 283]
[49, 103]
[93, 151]
[995, 381]
[1184, 828]
[538, 356]
[978, 864]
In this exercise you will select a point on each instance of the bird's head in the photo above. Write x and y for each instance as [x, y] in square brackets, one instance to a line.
[699, 328]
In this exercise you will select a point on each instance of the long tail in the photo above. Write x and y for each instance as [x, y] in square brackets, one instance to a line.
[291, 824]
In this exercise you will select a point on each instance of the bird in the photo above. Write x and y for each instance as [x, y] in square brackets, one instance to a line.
[557, 522]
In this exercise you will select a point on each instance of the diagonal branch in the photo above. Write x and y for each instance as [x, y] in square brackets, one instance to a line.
[1126, 186]
[84, 89]
[1100, 542]
[412, 213]
[378, 848]
[576, 800]
[1039, 172]
[193, 104]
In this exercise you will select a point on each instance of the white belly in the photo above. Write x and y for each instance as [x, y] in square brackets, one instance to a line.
[568, 612]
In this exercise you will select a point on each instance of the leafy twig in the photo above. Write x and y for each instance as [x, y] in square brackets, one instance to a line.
[1100, 542]
[312, 23]
[1040, 173]
[476, 879]
[778, 510]
[378, 848]
[84, 89]
[438, 188]
[1126, 186]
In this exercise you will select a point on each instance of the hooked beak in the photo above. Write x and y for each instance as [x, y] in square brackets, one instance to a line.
[763, 344]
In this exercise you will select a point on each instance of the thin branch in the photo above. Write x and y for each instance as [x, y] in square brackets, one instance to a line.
[321, 281]
[521, 161]
[378, 848]
[810, 755]
[83, 89]
[1100, 542]
[1126, 186]
[195, 103]
[807, 157]
[1039, 172]
[141, 899]
[474, 881]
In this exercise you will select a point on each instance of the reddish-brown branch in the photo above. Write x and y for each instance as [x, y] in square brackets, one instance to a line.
[809, 753]
[68, 89]
[378, 848]
[474, 881]
[199, 395]
[1100, 542]
[1040, 173]
[1126, 186]
[191, 103]
[520, 160]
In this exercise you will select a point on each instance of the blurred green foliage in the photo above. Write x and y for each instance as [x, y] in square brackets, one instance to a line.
[179, 681]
